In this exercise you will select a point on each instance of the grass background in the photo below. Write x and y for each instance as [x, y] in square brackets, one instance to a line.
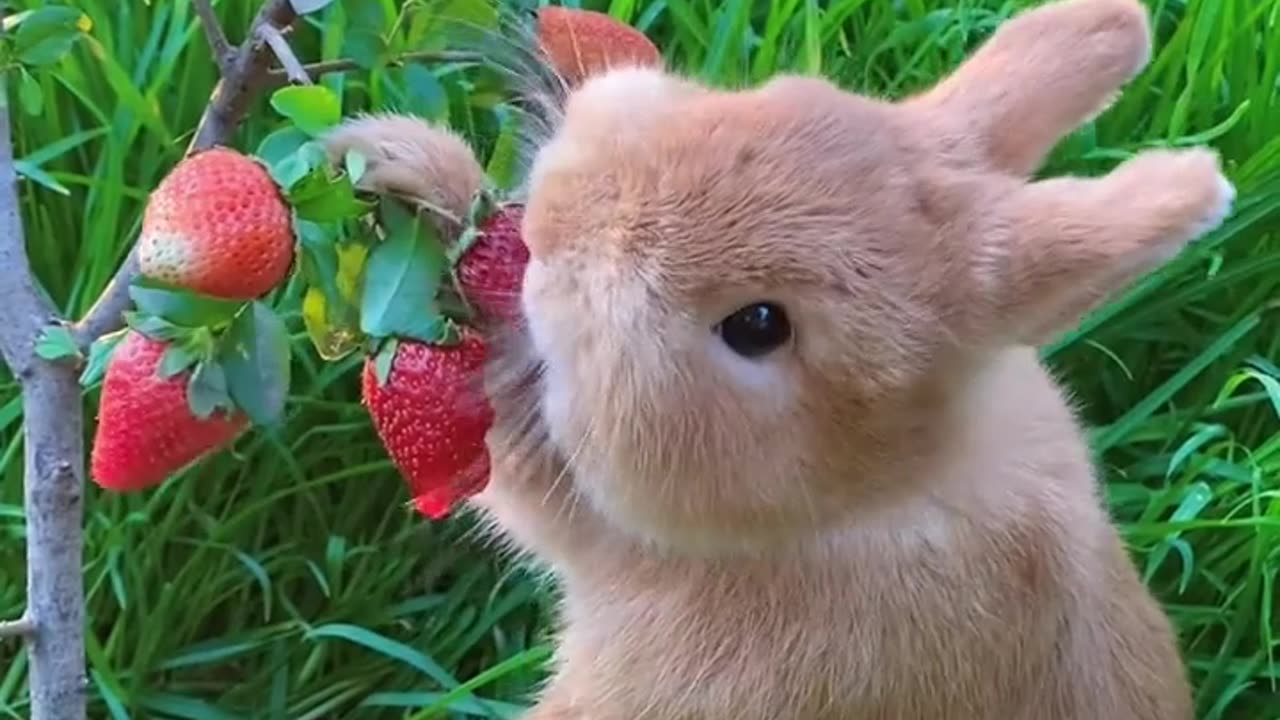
[286, 579]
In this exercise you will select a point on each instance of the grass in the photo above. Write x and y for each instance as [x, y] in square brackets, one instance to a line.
[287, 580]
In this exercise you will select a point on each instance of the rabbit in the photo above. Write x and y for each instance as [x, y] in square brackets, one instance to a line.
[773, 416]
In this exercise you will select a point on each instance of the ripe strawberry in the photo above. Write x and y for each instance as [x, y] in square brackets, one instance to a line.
[432, 418]
[580, 43]
[217, 225]
[491, 271]
[146, 430]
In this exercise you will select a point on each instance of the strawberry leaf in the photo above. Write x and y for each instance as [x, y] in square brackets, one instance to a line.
[155, 327]
[181, 307]
[355, 163]
[424, 95]
[56, 343]
[317, 251]
[364, 42]
[255, 353]
[330, 307]
[100, 352]
[289, 167]
[312, 108]
[475, 16]
[321, 196]
[177, 358]
[403, 273]
[207, 391]
[382, 361]
[281, 144]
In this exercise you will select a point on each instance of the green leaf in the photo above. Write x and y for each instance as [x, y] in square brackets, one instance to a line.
[281, 144]
[291, 155]
[155, 327]
[404, 271]
[56, 343]
[289, 172]
[100, 352]
[334, 272]
[36, 174]
[317, 250]
[388, 648]
[425, 95]
[207, 391]
[383, 359]
[303, 7]
[365, 42]
[355, 164]
[467, 17]
[177, 358]
[502, 165]
[181, 307]
[367, 49]
[29, 93]
[256, 357]
[313, 108]
[322, 197]
[47, 34]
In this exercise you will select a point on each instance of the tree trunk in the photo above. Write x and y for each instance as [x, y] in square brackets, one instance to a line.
[54, 440]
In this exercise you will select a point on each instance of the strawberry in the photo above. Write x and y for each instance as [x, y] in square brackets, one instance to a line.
[581, 43]
[146, 430]
[218, 225]
[491, 271]
[432, 418]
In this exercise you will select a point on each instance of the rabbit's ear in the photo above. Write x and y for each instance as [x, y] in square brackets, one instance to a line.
[1035, 80]
[1056, 249]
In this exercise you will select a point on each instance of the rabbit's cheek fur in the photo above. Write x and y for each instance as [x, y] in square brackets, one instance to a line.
[651, 458]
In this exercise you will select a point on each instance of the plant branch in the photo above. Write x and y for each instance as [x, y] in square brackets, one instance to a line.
[53, 469]
[25, 311]
[22, 627]
[107, 314]
[244, 78]
[223, 53]
[280, 46]
[279, 77]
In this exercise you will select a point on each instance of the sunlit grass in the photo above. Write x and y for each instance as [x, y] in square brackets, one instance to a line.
[288, 580]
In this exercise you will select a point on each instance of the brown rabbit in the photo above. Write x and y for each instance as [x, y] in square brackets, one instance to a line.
[776, 421]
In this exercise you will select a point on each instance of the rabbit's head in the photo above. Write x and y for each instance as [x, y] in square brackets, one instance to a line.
[756, 310]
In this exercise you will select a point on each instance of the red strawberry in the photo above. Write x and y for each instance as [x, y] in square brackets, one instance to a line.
[491, 271]
[580, 43]
[146, 430]
[432, 416]
[217, 225]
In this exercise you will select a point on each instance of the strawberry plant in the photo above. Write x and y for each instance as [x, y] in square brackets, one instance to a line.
[380, 278]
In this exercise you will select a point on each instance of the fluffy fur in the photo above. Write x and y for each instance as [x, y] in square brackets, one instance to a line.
[895, 515]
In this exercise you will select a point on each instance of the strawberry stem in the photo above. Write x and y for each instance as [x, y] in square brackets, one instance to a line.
[469, 237]
[455, 306]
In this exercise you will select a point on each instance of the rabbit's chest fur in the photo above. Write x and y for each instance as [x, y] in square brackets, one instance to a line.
[876, 624]
[1001, 593]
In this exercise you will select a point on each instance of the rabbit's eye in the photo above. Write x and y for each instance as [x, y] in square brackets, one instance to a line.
[755, 329]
